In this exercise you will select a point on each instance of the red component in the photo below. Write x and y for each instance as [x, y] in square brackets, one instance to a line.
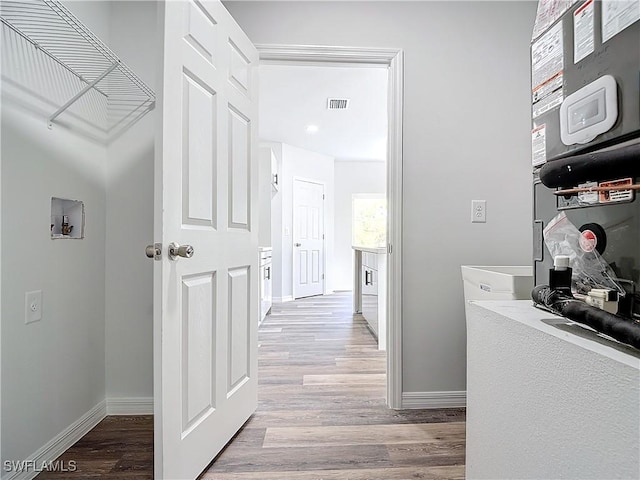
[588, 241]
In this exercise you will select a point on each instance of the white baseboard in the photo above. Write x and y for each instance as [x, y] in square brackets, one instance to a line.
[434, 399]
[60, 443]
[288, 298]
[130, 406]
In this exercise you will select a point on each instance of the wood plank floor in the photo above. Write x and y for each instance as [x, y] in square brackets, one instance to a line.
[321, 414]
[118, 448]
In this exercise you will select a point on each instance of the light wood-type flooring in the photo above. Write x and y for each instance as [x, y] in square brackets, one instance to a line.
[321, 413]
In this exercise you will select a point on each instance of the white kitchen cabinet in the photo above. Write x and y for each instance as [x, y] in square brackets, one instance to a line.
[266, 291]
[370, 292]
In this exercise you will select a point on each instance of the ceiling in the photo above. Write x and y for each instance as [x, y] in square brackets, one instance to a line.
[294, 97]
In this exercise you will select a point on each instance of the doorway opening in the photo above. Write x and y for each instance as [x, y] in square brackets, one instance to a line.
[390, 62]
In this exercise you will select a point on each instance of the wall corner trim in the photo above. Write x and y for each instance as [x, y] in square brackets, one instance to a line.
[411, 400]
[130, 406]
[62, 442]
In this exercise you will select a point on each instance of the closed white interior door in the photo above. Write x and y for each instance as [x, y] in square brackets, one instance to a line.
[308, 238]
[206, 306]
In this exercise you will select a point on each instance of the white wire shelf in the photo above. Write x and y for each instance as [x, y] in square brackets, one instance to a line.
[53, 54]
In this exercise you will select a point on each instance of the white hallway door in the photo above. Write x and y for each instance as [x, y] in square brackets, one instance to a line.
[206, 306]
[308, 238]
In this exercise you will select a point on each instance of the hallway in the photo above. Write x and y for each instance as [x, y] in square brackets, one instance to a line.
[322, 414]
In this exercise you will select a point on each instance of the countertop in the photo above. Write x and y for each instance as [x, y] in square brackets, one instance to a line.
[524, 312]
[370, 249]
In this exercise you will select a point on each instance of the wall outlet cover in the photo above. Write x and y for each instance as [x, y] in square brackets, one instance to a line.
[33, 306]
[478, 211]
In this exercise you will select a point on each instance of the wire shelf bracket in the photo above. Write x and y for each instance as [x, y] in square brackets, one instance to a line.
[77, 96]
[119, 96]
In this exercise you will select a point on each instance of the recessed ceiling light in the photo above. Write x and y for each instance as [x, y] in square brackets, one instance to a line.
[312, 129]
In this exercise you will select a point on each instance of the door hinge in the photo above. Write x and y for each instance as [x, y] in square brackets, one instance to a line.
[323, 196]
[323, 276]
[389, 248]
[323, 236]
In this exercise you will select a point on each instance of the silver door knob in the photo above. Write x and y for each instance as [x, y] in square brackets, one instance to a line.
[154, 251]
[297, 244]
[184, 251]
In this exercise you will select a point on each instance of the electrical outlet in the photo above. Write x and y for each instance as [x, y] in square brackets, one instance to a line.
[478, 211]
[33, 306]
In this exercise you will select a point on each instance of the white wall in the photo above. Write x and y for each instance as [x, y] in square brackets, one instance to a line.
[53, 371]
[296, 162]
[545, 403]
[466, 136]
[95, 339]
[276, 224]
[129, 273]
[265, 192]
[351, 177]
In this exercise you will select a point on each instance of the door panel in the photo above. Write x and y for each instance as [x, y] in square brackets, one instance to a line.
[239, 173]
[239, 72]
[239, 328]
[303, 267]
[315, 266]
[308, 238]
[198, 350]
[206, 307]
[199, 153]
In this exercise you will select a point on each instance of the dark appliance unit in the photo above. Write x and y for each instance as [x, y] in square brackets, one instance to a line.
[589, 103]
[594, 102]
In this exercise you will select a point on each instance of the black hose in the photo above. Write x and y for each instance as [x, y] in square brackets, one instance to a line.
[620, 328]
[596, 166]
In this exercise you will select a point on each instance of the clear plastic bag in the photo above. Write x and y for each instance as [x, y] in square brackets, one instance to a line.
[590, 270]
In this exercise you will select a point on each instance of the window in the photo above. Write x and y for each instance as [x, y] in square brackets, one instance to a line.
[369, 220]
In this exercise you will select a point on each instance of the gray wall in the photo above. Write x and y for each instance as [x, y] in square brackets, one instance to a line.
[53, 371]
[466, 136]
[351, 177]
[95, 338]
[129, 274]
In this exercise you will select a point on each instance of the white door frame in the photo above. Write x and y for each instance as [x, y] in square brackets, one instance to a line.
[324, 230]
[392, 58]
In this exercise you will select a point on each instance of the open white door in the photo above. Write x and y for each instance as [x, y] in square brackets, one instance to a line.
[308, 238]
[206, 306]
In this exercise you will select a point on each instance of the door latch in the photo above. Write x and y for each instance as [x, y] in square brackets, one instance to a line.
[154, 251]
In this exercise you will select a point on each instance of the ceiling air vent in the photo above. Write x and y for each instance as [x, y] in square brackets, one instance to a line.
[337, 103]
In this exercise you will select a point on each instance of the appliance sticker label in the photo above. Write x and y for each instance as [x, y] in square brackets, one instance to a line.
[548, 12]
[539, 145]
[583, 31]
[588, 197]
[618, 15]
[549, 102]
[547, 63]
[616, 195]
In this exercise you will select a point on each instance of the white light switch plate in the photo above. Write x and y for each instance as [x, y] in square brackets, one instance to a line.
[478, 211]
[33, 306]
